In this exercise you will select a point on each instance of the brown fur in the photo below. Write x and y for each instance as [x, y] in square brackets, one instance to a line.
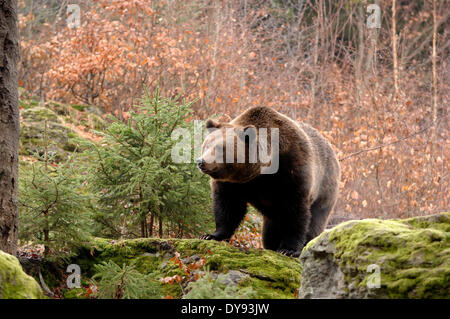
[295, 201]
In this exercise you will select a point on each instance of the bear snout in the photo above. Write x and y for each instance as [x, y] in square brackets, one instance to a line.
[200, 163]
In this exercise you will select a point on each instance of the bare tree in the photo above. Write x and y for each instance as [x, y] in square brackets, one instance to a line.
[434, 107]
[9, 126]
[435, 93]
[394, 47]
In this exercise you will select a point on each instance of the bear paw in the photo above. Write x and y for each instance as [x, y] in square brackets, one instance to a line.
[212, 237]
[289, 252]
[208, 237]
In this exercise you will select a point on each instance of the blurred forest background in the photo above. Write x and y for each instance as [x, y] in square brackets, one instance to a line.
[380, 95]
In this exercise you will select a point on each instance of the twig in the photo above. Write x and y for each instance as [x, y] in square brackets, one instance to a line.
[384, 145]
[44, 286]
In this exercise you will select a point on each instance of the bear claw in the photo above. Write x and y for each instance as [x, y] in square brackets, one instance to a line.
[207, 237]
[213, 237]
[289, 253]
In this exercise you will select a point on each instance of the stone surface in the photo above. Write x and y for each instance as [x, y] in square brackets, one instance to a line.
[14, 282]
[266, 274]
[34, 135]
[411, 259]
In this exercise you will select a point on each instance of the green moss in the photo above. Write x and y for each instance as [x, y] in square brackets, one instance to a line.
[39, 114]
[27, 103]
[270, 275]
[413, 254]
[440, 222]
[14, 282]
[217, 287]
[80, 107]
[61, 140]
[75, 293]
[59, 108]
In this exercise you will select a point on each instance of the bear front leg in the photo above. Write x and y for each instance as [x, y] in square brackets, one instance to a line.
[295, 227]
[229, 211]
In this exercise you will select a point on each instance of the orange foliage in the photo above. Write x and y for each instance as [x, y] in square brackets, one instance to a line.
[232, 59]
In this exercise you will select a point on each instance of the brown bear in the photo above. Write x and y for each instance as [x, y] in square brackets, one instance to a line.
[295, 199]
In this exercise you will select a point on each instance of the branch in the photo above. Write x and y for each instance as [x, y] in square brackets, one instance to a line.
[44, 286]
[388, 144]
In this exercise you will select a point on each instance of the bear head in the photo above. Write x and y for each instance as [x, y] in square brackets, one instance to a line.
[229, 152]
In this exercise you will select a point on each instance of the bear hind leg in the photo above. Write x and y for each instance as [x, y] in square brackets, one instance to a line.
[286, 234]
[271, 235]
[320, 211]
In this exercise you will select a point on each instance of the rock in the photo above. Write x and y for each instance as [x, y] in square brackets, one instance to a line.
[266, 273]
[150, 255]
[233, 277]
[60, 139]
[59, 108]
[379, 259]
[39, 114]
[357, 259]
[163, 264]
[213, 285]
[95, 110]
[66, 125]
[14, 282]
[191, 259]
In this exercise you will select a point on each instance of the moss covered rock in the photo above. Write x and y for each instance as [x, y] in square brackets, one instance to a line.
[60, 139]
[265, 274]
[380, 259]
[39, 114]
[14, 282]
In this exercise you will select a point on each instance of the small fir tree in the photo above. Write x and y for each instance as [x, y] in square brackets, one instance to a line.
[141, 188]
[54, 206]
[126, 282]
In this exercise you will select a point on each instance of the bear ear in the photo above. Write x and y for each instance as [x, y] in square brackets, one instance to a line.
[212, 124]
[225, 118]
[247, 131]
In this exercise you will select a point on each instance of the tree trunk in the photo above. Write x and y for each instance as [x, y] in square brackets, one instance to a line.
[394, 47]
[359, 75]
[160, 227]
[434, 108]
[46, 237]
[9, 126]
[311, 111]
[371, 61]
[150, 226]
[434, 58]
[143, 228]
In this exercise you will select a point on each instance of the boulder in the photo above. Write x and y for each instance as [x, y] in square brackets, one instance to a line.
[61, 140]
[266, 274]
[369, 258]
[14, 282]
[374, 258]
